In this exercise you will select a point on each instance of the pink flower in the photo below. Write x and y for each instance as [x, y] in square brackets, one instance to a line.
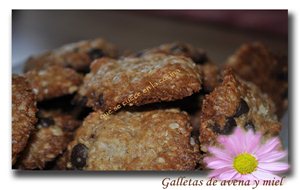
[244, 157]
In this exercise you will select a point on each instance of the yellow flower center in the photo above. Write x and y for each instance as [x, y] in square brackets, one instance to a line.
[245, 163]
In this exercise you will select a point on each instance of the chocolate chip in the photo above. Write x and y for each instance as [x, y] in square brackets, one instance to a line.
[68, 65]
[95, 53]
[139, 54]
[92, 136]
[242, 109]
[79, 155]
[101, 100]
[200, 58]
[45, 122]
[229, 126]
[227, 129]
[249, 125]
[216, 128]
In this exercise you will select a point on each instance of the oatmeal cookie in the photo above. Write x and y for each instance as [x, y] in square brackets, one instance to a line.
[54, 131]
[77, 55]
[147, 140]
[236, 103]
[136, 81]
[177, 48]
[53, 81]
[61, 162]
[23, 114]
[254, 62]
[211, 76]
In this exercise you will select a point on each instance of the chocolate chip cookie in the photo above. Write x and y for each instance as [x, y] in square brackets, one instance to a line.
[236, 103]
[54, 131]
[211, 76]
[146, 140]
[23, 114]
[53, 81]
[136, 81]
[198, 55]
[255, 63]
[77, 55]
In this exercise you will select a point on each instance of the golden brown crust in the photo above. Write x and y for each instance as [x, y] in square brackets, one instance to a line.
[149, 140]
[255, 63]
[177, 48]
[236, 103]
[77, 55]
[53, 132]
[53, 81]
[138, 81]
[23, 114]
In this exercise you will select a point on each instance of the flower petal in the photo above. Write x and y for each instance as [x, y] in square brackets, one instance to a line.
[219, 153]
[228, 148]
[264, 175]
[252, 141]
[240, 139]
[222, 139]
[217, 163]
[272, 156]
[269, 146]
[233, 142]
[239, 133]
[274, 166]
[227, 175]
[217, 172]
[238, 176]
[248, 177]
[209, 159]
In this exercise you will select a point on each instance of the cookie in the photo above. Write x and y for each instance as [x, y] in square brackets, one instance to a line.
[77, 55]
[211, 76]
[254, 62]
[136, 81]
[177, 48]
[148, 140]
[210, 72]
[236, 103]
[54, 131]
[23, 114]
[61, 162]
[53, 81]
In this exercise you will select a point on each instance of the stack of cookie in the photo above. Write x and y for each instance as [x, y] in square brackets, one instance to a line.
[86, 106]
